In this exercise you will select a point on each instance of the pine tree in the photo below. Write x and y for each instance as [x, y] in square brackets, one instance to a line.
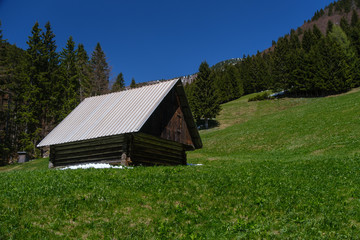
[354, 19]
[245, 76]
[294, 41]
[333, 60]
[345, 25]
[308, 40]
[223, 86]
[119, 83]
[51, 73]
[347, 56]
[281, 69]
[33, 108]
[133, 83]
[330, 25]
[83, 72]
[205, 99]
[317, 33]
[100, 72]
[70, 82]
[237, 89]
[4, 148]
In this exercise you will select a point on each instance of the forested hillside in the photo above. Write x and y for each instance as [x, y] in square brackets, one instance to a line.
[314, 60]
[39, 86]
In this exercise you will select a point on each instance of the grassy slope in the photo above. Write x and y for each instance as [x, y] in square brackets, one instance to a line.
[274, 169]
[38, 164]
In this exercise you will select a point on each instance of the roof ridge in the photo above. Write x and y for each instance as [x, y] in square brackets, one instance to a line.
[147, 84]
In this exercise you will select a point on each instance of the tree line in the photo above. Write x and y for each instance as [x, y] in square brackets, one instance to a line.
[40, 86]
[304, 63]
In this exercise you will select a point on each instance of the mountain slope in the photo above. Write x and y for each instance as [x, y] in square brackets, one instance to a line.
[280, 169]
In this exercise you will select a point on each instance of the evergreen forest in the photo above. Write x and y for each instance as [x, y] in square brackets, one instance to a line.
[41, 85]
[308, 62]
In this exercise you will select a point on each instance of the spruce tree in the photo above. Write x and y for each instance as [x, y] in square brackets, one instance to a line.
[308, 40]
[83, 72]
[119, 83]
[49, 88]
[70, 82]
[100, 72]
[222, 81]
[354, 19]
[281, 70]
[133, 83]
[207, 104]
[348, 60]
[330, 25]
[317, 33]
[345, 25]
[34, 95]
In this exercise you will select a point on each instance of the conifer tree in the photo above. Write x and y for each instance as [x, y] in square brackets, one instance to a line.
[308, 40]
[119, 83]
[33, 107]
[333, 64]
[344, 25]
[294, 40]
[347, 57]
[83, 72]
[354, 19]
[223, 86]
[133, 83]
[329, 27]
[317, 33]
[281, 70]
[100, 72]
[70, 82]
[205, 99]
[50, 95]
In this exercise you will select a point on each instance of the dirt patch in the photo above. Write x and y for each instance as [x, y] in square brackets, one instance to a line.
[349, 92]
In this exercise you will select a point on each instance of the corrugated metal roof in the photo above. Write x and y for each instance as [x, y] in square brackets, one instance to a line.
[110, 114]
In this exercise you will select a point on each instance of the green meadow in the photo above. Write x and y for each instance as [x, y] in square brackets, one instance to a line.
[276, 169]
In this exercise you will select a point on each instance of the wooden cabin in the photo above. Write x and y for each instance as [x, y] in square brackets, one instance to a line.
[151, 125]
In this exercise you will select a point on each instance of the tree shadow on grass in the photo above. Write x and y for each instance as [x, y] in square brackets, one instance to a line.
[212, 124]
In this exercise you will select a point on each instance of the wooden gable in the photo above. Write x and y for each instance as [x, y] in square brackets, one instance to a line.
[168, 121]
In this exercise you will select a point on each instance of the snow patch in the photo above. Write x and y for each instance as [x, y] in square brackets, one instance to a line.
[92, 165]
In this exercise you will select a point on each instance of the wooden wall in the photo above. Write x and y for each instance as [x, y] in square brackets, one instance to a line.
[168, 122]
[140, 148]
[150, 150]
[93, 150]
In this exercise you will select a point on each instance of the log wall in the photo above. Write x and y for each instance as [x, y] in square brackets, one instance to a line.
[93, 150]
[150, 150]
[140, 149]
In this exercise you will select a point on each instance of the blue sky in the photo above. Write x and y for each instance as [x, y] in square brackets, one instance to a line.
[151, 40]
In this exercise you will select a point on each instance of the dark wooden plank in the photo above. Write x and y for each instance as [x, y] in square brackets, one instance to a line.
[155, 157]
[144, 146]
[162, 152]
[90, 142]
[89, 155]
[90, 148]
[145, 138]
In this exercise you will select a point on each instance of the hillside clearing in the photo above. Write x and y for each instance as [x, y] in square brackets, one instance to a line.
[278, 169]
